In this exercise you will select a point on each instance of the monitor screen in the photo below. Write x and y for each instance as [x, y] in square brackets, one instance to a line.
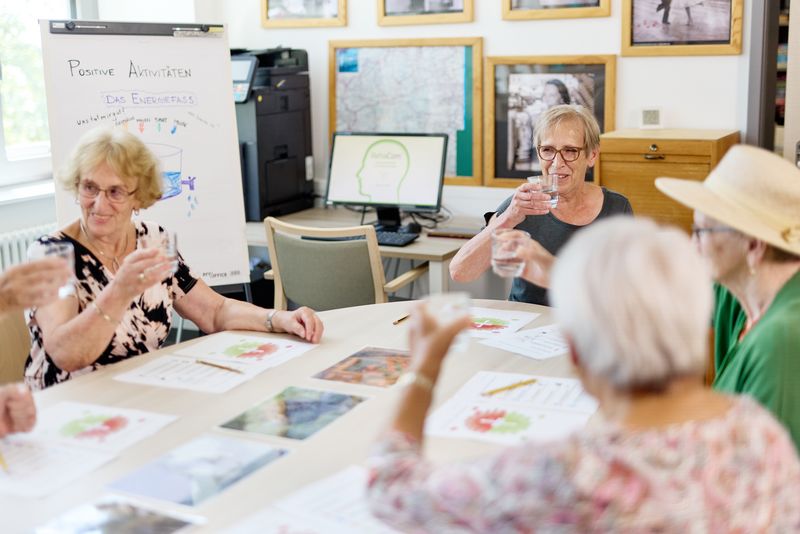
[387, 170]
[242, 70]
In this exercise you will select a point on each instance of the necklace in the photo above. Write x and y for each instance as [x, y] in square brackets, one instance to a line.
[113, 259]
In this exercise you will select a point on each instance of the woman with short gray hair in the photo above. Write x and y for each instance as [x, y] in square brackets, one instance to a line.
[567, 140]
[666, 455]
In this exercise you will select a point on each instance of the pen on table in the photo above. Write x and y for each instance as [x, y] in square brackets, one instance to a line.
[509, 387]
[401, 319]
[218, 366]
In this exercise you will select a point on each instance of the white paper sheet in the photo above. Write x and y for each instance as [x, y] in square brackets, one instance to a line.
[488, 322]
[538, 343]
[37, 468]
[247, 353]
[550, 408]
[334, 505]
[109, 429]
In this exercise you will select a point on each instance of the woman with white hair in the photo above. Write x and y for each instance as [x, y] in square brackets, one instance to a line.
[667, 454]
[567, 140]
[747, 225]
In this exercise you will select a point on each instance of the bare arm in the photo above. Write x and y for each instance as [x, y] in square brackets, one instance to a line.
[474, 258]
[213, 313]
[75, 340]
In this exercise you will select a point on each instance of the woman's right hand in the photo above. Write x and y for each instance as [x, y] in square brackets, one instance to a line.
[141, 270]
[528, 200]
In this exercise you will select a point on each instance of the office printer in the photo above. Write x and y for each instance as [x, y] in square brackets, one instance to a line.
[273, 117]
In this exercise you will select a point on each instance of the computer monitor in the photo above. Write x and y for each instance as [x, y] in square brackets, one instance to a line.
[243, 69]
[387, 171]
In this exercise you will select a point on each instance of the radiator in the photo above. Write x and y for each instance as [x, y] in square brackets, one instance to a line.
[14, 245]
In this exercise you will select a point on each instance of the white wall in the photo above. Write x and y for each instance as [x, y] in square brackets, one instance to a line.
[693, 92]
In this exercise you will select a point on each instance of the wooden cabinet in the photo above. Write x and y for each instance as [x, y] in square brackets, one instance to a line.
[631, 160]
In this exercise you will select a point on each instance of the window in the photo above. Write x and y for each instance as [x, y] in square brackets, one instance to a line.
[24, 135]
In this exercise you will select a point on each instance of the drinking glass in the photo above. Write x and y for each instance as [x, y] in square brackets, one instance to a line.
[505, 242]
[168, 243]
[447, 308]
[38, 251]
[549, 185]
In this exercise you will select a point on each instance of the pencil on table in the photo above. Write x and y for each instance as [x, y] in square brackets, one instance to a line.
[509, 387]
[401, 319]
[218, 366]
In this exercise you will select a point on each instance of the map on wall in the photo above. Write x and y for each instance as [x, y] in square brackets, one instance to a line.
[425, 86]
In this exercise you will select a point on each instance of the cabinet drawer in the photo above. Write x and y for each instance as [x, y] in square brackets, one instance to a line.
[656, 147]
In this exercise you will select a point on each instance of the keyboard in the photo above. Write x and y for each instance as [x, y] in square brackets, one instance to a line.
[388, 239]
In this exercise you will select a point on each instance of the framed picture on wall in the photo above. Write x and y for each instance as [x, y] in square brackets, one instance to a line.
[404, 12]
[681, 27]
[554, 9]
[303, 13]
[519, 89]
[413, 86]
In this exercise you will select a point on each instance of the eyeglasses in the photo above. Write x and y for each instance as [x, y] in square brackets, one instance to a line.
[698, 231]
[568, 153]
[116, 193]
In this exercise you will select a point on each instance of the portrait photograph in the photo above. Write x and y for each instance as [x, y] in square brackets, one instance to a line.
[406, 12]
[303, 13]
[679, 27]
[551, 9]
[524, 89]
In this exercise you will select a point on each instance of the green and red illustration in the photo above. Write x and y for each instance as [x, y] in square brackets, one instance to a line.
[251, 349]
[492, 324]
[497, 421]
[97, 427]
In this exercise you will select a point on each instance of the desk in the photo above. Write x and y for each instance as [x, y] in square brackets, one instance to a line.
[437, 251]
[344, 442]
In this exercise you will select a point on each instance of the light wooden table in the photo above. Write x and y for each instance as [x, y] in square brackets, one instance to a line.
[344, 442]
[437, 251]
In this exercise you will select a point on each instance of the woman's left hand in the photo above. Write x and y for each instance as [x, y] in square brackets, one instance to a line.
[302, 322]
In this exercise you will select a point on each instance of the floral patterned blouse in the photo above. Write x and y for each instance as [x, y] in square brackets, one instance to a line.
[735, 473]
[143, 328]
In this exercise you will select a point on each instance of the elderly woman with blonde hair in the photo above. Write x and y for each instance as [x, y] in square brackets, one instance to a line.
[126, 286]
[666, 455]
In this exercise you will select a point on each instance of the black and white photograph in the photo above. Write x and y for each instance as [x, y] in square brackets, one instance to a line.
[303, 13]
[550, 4]
[422, 7]
[554, 9]
[681, 22]
[523, 90]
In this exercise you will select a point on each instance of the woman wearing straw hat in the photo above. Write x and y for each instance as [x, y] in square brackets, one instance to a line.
[747, 224]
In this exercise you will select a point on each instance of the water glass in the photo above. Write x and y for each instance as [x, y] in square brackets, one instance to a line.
[549, 185]
[168, 243]
[447, 308]
[505, 242]
[38, 251]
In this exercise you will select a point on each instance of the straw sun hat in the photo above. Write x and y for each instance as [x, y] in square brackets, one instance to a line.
[751, 190]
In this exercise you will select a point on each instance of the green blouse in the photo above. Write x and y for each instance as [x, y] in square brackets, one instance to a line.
[766, 363]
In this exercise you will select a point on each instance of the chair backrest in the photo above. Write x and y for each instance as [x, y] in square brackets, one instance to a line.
[15, 345]
[324, 275]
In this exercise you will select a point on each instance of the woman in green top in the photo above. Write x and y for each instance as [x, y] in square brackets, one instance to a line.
[747, 224]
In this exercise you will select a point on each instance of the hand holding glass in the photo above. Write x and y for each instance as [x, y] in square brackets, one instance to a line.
[447, 308]
[168, 244]
[63, 250]
[505, 242]
[549, 185]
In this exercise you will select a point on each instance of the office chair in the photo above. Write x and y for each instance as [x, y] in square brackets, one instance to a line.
[15, 345]
[325, 272]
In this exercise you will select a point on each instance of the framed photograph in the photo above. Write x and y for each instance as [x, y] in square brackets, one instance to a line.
[403, 12]
[554, 9]
[681, 27]
[519, 89]
[303, 13]
[412, 86]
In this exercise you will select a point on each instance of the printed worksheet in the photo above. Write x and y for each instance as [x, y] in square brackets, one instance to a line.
[186, 373]
[511, 408]
[538, 343]
[36, 467]
[245, 351]
[109, 429]
[488, 322]
[334, 505]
